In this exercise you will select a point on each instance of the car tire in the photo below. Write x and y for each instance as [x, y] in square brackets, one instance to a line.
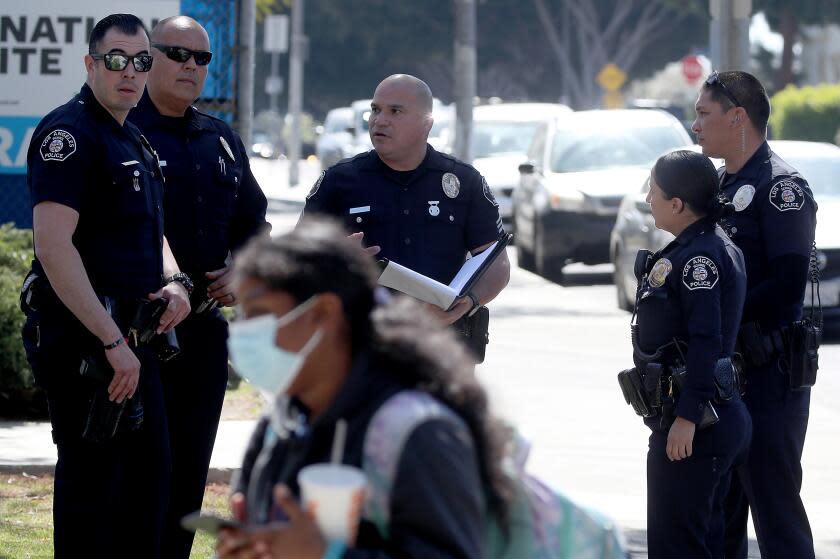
[524, 257]
[551, 268]
[618, 280]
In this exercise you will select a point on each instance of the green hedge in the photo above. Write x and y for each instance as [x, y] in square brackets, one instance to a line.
[808, 113]
[19, 398]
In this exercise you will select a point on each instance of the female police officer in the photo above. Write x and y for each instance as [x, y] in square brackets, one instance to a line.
[688, 309]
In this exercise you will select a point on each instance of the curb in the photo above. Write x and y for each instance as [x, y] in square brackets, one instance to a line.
[215, 475]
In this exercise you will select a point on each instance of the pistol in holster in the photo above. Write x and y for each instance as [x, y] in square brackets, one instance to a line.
[643, 391]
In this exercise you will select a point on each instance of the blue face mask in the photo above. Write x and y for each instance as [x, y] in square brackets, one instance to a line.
[256, 357]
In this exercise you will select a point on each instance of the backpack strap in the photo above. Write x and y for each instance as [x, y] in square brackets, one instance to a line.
[388, 431]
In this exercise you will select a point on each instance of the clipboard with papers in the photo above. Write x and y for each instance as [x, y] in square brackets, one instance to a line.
[406, 280]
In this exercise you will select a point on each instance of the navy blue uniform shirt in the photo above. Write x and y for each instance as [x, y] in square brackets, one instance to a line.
[212, 202]
[775, 216]
[427, 219]
[82, 158]
[694, 293]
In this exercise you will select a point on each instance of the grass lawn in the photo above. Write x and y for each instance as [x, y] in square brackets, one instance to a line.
[26, 501]
[26, 517]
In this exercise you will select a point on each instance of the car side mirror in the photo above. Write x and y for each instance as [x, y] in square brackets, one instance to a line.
[643, 206]
[351, 130]
[527, 168]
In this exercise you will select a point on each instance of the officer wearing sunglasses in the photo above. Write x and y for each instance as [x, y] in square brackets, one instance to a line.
[97, 194]
[773, 225]
[213, 205]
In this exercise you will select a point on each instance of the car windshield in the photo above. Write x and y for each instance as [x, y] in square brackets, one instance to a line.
[496, 138]
[821, 172]
[587, 150]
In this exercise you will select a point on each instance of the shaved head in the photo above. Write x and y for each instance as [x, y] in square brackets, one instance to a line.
[416, 86]
[174, 24]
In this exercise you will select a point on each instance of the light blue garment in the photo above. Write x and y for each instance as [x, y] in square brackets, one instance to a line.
[256, 357]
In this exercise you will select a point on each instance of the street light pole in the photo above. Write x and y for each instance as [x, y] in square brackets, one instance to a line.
[465, 76]
[296, 57]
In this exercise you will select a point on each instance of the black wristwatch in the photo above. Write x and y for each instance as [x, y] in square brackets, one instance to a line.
[184, 280]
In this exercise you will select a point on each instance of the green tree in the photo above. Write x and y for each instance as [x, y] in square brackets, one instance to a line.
[786, 18]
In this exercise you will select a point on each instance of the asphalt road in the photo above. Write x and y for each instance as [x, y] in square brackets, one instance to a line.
[551, 370]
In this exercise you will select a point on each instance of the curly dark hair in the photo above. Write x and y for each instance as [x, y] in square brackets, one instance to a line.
[400, 336]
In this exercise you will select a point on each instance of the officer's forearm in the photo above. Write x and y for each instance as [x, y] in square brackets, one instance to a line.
[170, 265]
[68, 278]
[494, 280]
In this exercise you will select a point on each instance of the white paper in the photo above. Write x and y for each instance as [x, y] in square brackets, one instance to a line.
[406, 280]
[417, 285]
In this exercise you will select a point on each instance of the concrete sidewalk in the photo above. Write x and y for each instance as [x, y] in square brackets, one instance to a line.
[26, 446]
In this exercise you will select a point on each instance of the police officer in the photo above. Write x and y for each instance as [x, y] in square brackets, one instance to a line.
[411, 204]
[213, 205]
[774, 226]
[96, 191]
[689, 306]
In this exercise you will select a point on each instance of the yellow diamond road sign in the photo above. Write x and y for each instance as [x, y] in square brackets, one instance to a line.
[611, 77]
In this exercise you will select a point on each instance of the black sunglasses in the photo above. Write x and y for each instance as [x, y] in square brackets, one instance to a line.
[714, 79]
[117, 62]
[182, 54]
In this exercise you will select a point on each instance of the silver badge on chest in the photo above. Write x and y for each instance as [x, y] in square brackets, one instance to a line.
[451, 185]
[743, 197]
[434, 210]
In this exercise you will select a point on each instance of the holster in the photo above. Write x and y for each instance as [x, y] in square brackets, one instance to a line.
[679, 375]
[633, 388]
[474, 331]
[804, 339]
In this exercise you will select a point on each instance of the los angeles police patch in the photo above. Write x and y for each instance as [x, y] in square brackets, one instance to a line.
[786, 195]
[700, 273]
[316, 186]
[488, 193]
[58, 145]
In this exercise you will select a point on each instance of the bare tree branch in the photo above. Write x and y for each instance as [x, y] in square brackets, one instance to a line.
[561, 53]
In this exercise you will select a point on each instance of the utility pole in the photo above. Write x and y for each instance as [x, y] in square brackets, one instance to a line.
[729, 34]
[465, 76]
[276, 42]
[245, 91]
[298, 52]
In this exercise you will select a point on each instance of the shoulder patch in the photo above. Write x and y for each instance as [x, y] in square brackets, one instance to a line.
[787, 195]
[317, 185]
[488, 193]
[58, 145]
[700, 272]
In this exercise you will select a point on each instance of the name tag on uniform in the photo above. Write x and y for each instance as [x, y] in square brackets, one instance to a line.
[359, 210]
[130, 163]
[162, 162]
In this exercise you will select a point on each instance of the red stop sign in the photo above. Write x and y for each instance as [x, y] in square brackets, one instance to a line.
[691, 67]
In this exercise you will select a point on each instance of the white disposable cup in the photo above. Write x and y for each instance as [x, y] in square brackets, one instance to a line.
[335, 494]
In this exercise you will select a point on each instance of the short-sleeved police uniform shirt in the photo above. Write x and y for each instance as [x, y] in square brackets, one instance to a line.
[694, 292]
[212, 202]
[427, 219]
[775, 216]
[81, 157]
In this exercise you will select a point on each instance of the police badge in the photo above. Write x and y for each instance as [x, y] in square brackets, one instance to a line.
[451, 185]
[743, 197]
[659, 272]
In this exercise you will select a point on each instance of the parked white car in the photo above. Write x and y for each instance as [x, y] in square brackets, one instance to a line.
[501, 136]
[818, 162]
